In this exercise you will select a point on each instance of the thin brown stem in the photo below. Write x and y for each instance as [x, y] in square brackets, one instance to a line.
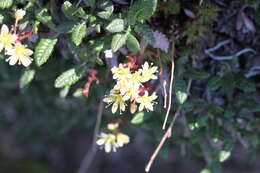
[89, 156]
[165, 94]
[166, 135]
[170, 97]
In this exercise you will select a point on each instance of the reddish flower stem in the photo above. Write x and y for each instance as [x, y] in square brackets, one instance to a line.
[91, 78]
[25, 36]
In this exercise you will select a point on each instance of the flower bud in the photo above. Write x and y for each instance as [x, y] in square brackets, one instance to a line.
[19, 14]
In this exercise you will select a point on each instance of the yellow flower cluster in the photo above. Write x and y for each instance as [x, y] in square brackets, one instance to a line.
[130, 87]
[114, 140]
[10, 43]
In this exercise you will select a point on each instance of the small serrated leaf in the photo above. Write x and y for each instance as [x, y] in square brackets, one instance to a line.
[143, 9]
[43, 16]
[197, 74]
[108, 9]
[215, 83]
[245, 84]
[69, 77]
[118, 41]
[116, 25]
[180, 90]
[78, 33]
[132, 43]
[70, 11]
[224, 155]
[44, 50]
[6, 3]
[146, 32]
[138, 118]
[26, 78]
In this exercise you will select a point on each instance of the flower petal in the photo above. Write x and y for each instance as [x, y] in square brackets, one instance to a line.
[26, 61]
[4, 29]
[12, 60]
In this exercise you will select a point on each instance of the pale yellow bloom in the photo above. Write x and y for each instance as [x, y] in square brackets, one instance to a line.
[122, 85]
[133, 91]
[112, 126]
[19, 14]
[146, 101]
[122, 139]
[136, 77]
[19, 53]
[128, 87]
[133, 107]
[6, 38]
[117, 100]
[121, 72]
[148, 73]
[108, 142]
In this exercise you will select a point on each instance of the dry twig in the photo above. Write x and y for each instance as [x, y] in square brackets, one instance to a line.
[89, 156]
[170, 89]
[167, 134]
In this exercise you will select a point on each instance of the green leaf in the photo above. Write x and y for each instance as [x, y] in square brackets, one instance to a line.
[64, 91]
[146, 32]
[6, 3]
[108, 9]
[230, 111]
[143, 9]
[78, 33]
[70, 11]
[1, 19]
[215, 83]
[196, 74]
[69, 77]
[180, 90]
[138, 118]
[214, 130]
[104, 14]
[244, 84]
[224, 155]
[90, 3]
[116, 25]
[66, 27]
[26, 78]
[132, 43]
[205, 171]
[35, 27]
[44, 50]
[118, 41]
[42, 16]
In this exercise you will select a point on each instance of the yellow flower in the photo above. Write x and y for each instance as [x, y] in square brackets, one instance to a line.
[122, 86]
[108, 142]
[148, 72]
[133, 91]
[19, 53]
[121, 72]
[146, 101]
[133, 107]
[19, 14]
[122, 139]
[6, 39]
[117, 100]
[112, 126]
[136, 77]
